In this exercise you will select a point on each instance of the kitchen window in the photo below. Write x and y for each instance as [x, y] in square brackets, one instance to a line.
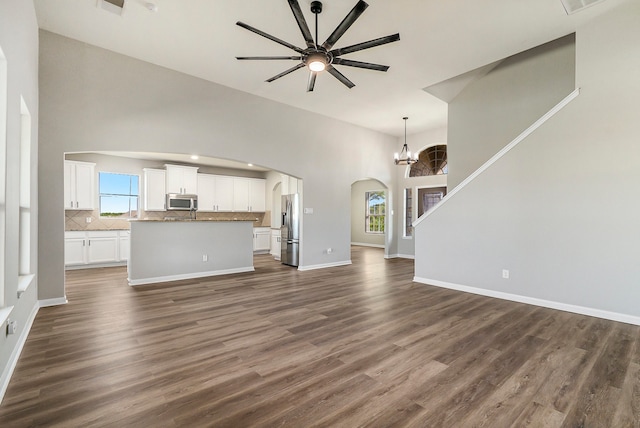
[375, 211]
[119, 194]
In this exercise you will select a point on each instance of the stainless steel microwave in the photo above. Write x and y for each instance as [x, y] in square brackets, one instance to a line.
[181, 202]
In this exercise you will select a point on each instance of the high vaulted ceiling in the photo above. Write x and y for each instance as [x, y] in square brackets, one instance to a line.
[440, 39]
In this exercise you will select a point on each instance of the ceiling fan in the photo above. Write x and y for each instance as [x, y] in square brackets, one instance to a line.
[322, 57]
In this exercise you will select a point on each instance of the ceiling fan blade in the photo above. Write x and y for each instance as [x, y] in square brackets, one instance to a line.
[269, 36]
[268, 57]
[312, 81]
[284, 73]
[351, 17]
[359, 64]
[366, 45]
[335, 73]
[302, 23]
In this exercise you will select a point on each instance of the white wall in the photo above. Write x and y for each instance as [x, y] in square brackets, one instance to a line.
[358, 211]
[93, 100]
[19, 43]
[560, 210]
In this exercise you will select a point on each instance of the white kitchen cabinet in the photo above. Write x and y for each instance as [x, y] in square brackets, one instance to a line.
[102, 247]
[289, 185]
[96, 247]
[75, 248]
[154, 189]
[275, 243]
[261, 239]
[206, 192]
[249, 194]
[79, 184]
[224, 193]
[257, 198]
[241, 194]
[181, 179]
[124, 245]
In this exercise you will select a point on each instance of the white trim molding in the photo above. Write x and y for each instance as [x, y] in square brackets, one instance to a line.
[53, 302]
[537, 124]
[364, 244]
[324, 265]
[400, 256]
[582, 310]
[17, 350]
[194, 275]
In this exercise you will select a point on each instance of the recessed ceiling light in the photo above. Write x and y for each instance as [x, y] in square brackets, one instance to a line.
[249, 164]
[194, 157]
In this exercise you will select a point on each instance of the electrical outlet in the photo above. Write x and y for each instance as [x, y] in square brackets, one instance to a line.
[205, 257]
[505, 273]
[329, 250]
[12, 327]
[88, 219]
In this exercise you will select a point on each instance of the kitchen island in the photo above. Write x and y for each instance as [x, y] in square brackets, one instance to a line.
[170, 250]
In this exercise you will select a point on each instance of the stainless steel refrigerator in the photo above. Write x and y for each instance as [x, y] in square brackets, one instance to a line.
[290, 230]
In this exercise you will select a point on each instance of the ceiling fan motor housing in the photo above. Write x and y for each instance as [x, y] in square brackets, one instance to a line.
[316, 7]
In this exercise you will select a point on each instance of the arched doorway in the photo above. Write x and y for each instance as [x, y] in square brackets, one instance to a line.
[369, 213]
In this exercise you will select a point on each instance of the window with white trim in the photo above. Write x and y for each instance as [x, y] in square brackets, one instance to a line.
[24, 254]
[119, 194]
[375, 203]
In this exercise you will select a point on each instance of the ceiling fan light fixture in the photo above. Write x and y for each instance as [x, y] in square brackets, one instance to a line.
[317, 61]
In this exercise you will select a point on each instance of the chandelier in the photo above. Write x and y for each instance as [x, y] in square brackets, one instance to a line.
[405, 157]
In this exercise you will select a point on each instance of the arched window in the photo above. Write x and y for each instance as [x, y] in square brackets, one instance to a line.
[432, 161]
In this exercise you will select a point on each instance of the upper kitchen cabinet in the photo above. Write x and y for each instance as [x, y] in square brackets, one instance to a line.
[79, 183]
[257, 192]
[206, 192]
[224, 193]
[181, 179]
[154, 189]
[249, 194]
[289, 185]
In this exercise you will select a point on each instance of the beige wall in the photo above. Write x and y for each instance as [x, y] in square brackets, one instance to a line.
[559, 211]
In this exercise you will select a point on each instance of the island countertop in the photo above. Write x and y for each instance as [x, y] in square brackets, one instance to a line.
[170, 250]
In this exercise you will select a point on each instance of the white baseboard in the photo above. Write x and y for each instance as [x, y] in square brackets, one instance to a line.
[189, 276]
[592, 312]
[96, 265]
[325, 265]
[400, 256]
[15, 354]
[364, 244]
[53, 302]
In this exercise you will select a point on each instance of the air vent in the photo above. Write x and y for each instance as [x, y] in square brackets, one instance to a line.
[113, 6]
[573, 6]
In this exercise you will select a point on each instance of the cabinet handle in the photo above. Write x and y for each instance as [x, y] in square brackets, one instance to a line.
[89, 242]
[83, 243]
[76, 204]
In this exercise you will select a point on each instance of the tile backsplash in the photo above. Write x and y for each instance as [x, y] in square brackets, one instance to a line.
[77, 219]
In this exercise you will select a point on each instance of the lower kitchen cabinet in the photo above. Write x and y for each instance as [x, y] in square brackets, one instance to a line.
[275, 243]
[96, 247]
[261, 239]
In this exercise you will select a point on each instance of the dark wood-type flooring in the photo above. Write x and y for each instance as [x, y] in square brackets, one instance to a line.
[359, 345]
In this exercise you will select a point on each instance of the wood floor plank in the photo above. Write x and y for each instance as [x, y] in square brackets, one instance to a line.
[358, 345]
